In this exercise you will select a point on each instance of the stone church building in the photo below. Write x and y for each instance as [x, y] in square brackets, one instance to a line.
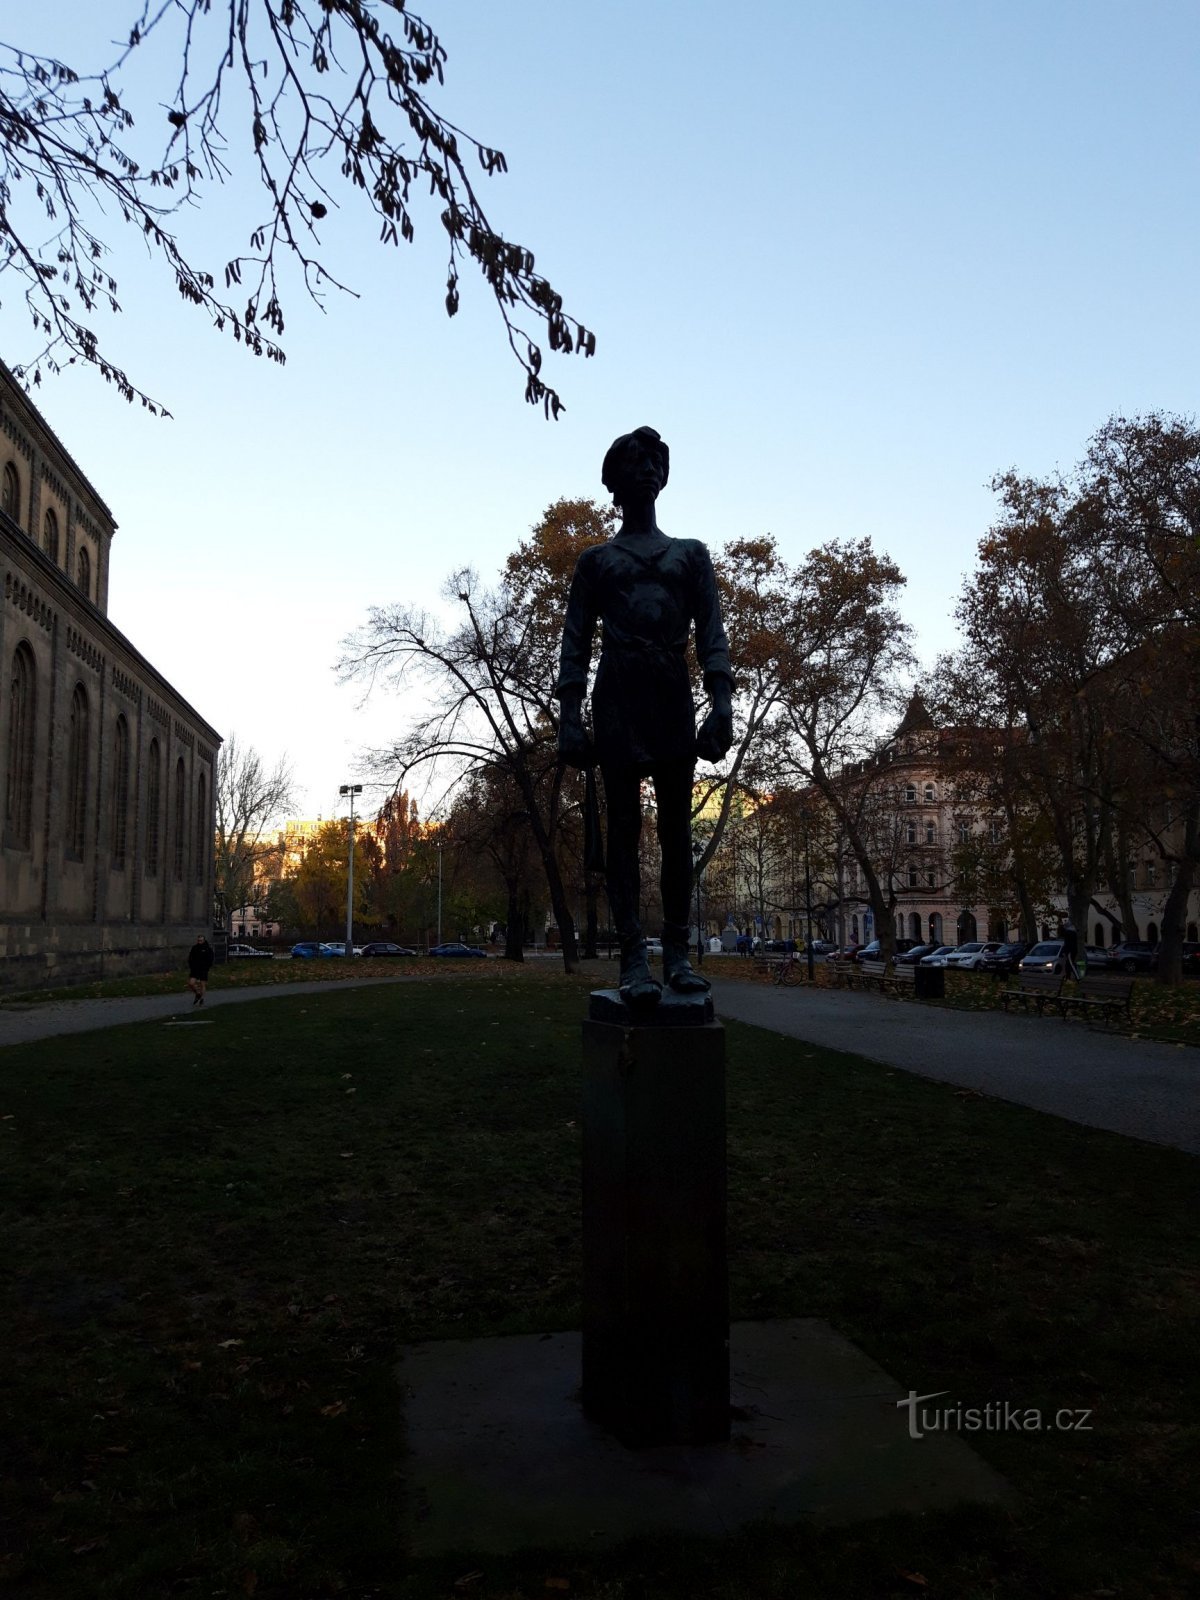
[106, 772]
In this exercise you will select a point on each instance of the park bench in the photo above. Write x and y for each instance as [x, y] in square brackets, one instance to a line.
[1038, 989]
[904, 979]
[1109, 996]
[844, 971]
[873, 973]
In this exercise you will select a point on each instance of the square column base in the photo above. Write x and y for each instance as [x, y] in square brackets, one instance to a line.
[655, 1280]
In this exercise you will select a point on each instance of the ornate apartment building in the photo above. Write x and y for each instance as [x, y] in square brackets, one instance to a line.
[106, 772]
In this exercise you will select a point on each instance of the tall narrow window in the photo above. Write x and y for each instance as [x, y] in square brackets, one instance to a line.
[120, 793]
[18, 788]
[77, 774]
[910, 833]
[931, 833]
[928, 794]
[153, 808]
[50, 535]
[201, 861]
[10, 492]
[180, 804]
[83, 571]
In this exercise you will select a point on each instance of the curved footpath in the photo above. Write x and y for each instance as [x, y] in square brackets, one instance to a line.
[1140, 1087]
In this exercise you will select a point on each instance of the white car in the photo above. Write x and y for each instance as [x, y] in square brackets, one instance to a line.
[235, 951]
[970, 956]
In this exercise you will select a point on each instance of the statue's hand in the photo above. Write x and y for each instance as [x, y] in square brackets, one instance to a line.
[716, 734]
[574, 746]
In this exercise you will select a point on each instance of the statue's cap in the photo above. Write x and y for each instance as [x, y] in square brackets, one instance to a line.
[610, 471]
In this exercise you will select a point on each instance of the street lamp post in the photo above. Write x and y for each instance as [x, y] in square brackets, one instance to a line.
[439, 851]
[351, 789]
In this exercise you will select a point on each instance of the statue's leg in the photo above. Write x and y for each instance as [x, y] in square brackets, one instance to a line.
[623, 801]
[673, 792]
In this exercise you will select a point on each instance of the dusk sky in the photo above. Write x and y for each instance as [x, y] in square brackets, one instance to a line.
[851, 259]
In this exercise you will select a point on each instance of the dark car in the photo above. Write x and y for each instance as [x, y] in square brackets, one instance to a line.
[1004, 959]
[307, 950]
[874, 950]
[1133, 955]
[382, 948]
[910, 958]
[1191, 959]
[780, 947]
[457, 950]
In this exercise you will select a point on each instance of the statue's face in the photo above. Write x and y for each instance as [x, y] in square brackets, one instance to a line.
[641, 469]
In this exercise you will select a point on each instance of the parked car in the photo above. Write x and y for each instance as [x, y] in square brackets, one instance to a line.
[966, 957]
[330, 948]
[910, 958]
[1191, 958]
[236, 952]
[307, 950]
[781, 947]
[937, 958]
[1005, 958]
[1096, 956]
[1044, 957]
[1133, 955]
[874, 950]
[454, 949]
[848, 952]
[821, 948]
[382, 948]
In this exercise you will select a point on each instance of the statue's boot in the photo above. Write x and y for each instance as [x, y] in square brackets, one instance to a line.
[678, 971]
[638, 988]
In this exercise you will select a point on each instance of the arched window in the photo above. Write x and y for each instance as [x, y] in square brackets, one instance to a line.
[77, 773]
[910, 793]
[1191, 932]
[912, 875]
[929, 794]
[50, 535]
[180, 804]
[153, 808]
[914, 925]
[83, 571]
[10, 492]
[935, 927]
[1152, 933]
[854, 929]
[120, 793]
[18, 789]
[1098, 941]
[201, 861]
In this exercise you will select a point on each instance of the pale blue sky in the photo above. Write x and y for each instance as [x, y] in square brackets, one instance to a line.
[851, 259]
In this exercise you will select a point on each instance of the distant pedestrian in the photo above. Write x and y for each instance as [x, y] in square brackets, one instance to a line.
[1070, 948]
[200, 959]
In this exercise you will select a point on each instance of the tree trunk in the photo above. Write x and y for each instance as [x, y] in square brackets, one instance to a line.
[1169, 969]
[592, 892]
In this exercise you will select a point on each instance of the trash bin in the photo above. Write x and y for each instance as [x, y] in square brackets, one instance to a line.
[930, 983]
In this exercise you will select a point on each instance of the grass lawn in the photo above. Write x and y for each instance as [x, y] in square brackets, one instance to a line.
[216, 1238]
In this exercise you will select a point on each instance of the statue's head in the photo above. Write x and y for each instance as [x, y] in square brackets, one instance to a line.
[636, 460]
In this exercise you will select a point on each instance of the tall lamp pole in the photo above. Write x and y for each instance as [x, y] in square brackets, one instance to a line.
[439, 851]
[351, 789]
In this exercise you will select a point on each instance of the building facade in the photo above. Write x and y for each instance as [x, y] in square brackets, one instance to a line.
[106, 773]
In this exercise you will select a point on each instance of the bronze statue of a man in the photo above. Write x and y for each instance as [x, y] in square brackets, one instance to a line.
[647, 591]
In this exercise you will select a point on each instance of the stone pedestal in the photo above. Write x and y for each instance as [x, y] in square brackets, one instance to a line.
[655, 1285]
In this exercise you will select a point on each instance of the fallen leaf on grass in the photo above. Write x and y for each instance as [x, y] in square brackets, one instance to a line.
[92, 1544]
[335, 1410]
[228, 1344]
[558, 1583]
[917, 1578]
[467, 1579]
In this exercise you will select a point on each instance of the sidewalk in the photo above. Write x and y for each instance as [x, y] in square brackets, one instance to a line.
[1141, 1087]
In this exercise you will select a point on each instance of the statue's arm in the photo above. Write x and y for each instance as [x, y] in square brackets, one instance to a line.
[575, 658]
[712, 652]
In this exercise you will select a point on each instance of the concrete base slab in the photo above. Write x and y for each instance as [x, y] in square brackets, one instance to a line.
[501, 1457]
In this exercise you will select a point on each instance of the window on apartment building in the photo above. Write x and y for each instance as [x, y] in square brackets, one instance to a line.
[912, 877]
[930, 877]
[1132, 874]
[910, 794]
[929, 794]
[50, 535]
[201, 861]
[120, 793]
[18, 788]
[77, 773]
[83, 572]
[910, 833]
[153, 807]
[964, 832]
[10, 492]
[930, 832]
[180, 807]
[1151, 874]
[994, 831]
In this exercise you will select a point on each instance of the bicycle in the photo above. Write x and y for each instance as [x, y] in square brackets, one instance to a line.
[788, 971]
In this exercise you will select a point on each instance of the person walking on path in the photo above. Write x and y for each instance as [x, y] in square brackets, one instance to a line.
[1070, 948]
[200, 959]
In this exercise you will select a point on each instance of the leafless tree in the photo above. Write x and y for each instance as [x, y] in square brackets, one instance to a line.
[249, 798]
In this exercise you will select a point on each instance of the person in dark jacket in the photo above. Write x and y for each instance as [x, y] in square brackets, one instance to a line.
[647, 592]
[200, 959]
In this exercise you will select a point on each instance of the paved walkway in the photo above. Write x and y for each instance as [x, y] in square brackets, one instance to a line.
[1140, 1087]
